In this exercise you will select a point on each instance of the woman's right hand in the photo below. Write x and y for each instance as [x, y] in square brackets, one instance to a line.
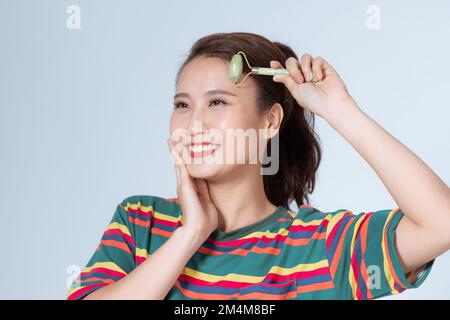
[200, 216]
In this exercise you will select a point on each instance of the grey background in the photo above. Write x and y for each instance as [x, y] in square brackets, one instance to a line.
[84, 113]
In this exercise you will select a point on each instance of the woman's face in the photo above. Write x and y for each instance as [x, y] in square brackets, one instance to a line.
[208, 108]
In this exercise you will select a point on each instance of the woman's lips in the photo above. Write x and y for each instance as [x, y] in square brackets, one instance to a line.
[202, 150]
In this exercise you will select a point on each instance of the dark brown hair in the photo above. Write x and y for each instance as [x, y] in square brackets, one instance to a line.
[299, 146]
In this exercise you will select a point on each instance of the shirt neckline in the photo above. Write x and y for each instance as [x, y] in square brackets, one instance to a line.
[256, 226]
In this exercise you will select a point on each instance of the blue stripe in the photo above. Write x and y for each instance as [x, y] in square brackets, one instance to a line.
[361, 283]
[337, 237]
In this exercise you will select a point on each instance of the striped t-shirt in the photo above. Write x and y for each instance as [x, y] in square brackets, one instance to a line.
[305, 255]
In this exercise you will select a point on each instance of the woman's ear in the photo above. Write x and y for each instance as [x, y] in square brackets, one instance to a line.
[274, 118]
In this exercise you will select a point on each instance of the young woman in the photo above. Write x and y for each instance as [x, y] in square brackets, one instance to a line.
[230, 233]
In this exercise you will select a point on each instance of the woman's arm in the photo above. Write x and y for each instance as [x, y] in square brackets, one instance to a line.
[154, 277]
[424, 232]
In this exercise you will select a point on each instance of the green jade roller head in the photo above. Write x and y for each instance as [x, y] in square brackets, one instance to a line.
[236, 65]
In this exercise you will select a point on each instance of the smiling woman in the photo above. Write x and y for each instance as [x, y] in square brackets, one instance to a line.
[258, 104]
[230, 232]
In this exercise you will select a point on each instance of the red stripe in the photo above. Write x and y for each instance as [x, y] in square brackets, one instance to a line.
[337, 254]
[364, 273]
[391, 266]
[313, 228]
[121, 233]
[104, 271]
[165, 222]
[118, 244]
[240, 242]
[333, 232]
[139, 222]
[270, 276]
[354, 262]
[138, 210]
[80, 291]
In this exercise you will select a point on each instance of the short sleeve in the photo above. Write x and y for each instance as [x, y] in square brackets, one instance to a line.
[113, 259]
[363, 258]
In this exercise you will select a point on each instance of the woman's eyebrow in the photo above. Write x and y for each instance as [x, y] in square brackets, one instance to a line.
[210, 92]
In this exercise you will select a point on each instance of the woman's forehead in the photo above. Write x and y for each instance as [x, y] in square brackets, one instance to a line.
[206, 73]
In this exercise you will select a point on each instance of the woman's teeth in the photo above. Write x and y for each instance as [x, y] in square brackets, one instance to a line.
[202, 147]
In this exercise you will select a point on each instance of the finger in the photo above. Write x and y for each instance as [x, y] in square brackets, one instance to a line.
[184, 177]
[177, 145]
[327, 67]
[202, 188]
[305, 62]
[288, 81]
[177, 170]
[203, 193]
[174, 155]
[275, 64]
[175, 158]
[317, 65]
[292, 65]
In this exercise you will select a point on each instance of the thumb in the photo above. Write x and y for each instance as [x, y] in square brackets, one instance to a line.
[202, 188]
[288, 81]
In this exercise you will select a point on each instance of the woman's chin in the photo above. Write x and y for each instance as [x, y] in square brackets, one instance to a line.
[202, 171]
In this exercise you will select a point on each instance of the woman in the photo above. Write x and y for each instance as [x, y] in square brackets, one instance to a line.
[230, 233]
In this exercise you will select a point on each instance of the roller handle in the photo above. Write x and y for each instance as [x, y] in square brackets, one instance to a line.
[269, 71]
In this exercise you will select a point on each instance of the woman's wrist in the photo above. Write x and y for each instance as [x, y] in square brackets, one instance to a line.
[341, 111]
[190, 239]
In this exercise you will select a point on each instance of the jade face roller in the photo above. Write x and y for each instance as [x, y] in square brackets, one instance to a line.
[236, 69]
[236, 66]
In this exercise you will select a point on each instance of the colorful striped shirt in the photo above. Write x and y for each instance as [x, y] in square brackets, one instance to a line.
[309, 254]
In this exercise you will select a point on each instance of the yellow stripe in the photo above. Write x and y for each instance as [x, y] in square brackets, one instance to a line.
[156, 214]
[107, 265]
[292, 214]
[73, 289]
[267, 234]
[254, 279]
[316, 222]
[351, 275]
[166, 217]
[138, 205]
[330, 217]
[141, 252]
[121, 227]
[333, 220]
[384, 247]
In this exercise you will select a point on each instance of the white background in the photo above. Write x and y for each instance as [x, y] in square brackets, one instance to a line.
[84, 113]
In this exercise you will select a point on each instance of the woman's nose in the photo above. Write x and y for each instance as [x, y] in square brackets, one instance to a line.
[197, 122]
[197, 126]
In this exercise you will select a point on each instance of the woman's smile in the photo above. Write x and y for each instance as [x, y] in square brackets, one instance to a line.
[202, 150]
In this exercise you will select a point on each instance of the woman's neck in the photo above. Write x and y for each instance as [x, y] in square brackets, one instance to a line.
[240, 199]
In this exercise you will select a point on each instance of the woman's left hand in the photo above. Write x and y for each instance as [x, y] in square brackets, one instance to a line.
[323, 97]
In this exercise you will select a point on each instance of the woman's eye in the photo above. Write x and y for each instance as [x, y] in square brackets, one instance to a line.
[180, 105]
[216, 102]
